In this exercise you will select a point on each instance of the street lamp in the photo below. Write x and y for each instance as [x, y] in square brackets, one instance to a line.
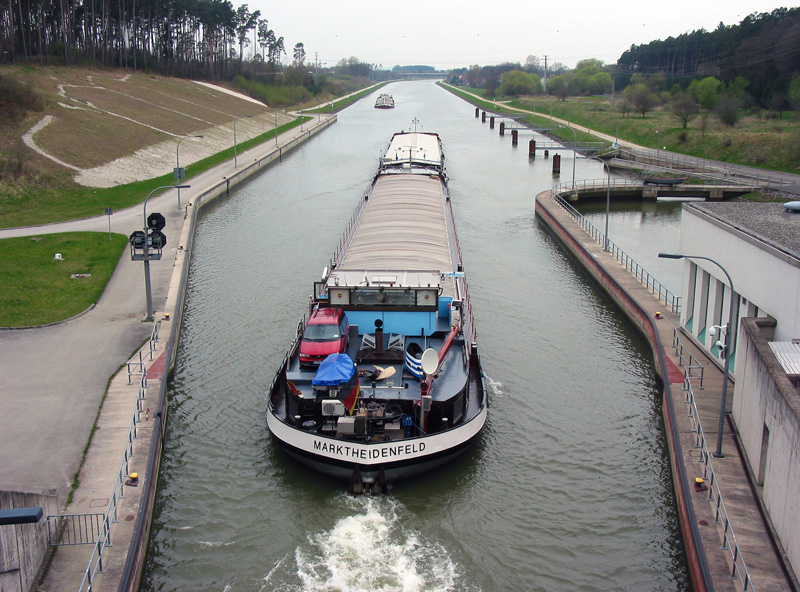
[725, 348]
[234, 137]
[276, 128]
[573, 151]
[146, 250]
[180, 173]
[608, 197]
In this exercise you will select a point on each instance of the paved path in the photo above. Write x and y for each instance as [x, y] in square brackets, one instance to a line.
[742, 504]
[53, 380]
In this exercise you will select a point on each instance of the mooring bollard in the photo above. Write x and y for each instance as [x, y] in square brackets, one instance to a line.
[491, 122]
[477, 112]
[532, 149]
[502, 128]
[483, 116]
[556, 164]
[514, 136]
[546, 154]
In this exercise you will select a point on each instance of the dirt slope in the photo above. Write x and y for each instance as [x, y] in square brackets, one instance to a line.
[110, 127]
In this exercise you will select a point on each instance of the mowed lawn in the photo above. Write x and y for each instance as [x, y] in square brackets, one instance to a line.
[36, 288]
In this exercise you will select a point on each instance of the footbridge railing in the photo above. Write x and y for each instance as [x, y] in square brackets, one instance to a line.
[655, 287]
[727, 173]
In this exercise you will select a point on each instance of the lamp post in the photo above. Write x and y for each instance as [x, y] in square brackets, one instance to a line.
[276, 128]
[608, 198]
[146, 250]
[726, 348]
[574, 133]
[234, 137]
[180, 174]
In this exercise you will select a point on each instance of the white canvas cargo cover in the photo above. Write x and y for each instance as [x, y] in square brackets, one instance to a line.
[403, 227]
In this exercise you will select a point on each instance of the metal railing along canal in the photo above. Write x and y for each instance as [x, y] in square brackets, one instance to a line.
[655, 287]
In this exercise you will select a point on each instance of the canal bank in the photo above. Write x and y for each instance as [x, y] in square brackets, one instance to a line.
[724, 503]
[130, 428]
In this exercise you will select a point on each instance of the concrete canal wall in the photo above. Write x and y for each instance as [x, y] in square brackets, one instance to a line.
[134, 565]
[644, 322]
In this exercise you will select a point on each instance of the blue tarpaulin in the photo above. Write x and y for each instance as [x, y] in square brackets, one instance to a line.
[334, 370]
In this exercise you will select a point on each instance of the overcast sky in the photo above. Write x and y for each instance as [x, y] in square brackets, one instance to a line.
[450, 34]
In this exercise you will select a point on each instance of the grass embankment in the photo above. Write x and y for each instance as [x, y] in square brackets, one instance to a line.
[755, 140]
[505, 109]
[36, 205]
[36, 288]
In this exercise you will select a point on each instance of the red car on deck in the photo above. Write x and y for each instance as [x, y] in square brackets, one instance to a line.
[326, 333]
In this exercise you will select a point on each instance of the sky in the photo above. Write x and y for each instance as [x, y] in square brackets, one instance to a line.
[452, 34]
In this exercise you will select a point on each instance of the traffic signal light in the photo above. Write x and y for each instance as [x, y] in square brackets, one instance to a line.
[156, 221]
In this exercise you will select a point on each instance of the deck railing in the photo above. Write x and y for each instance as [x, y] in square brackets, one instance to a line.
[655, 287]
[738, 566]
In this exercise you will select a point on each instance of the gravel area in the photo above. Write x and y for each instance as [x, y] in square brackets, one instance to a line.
[767, 221]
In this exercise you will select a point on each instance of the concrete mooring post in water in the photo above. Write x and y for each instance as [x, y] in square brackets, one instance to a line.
[532, 149]
[477, 112]
[483, 116]
[502, 128]
[556, 164]
[491, 122]
[514, 137]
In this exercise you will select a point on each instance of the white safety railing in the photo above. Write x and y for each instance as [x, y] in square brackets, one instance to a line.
[95, 564]
[655, 287]
[136, 365]
[738, 568]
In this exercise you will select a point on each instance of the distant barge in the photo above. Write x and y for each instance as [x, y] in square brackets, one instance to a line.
[385, 101]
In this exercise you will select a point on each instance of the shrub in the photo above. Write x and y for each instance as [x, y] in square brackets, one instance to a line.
[17, 98]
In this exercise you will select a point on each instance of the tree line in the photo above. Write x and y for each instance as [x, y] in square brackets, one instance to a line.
[204, 38]
[763, 49]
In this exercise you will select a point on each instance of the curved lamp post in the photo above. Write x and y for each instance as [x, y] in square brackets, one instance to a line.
[234, 137]
[179, 174]
[608, 197]
[726, 348]
[146, 249]
[573, 150]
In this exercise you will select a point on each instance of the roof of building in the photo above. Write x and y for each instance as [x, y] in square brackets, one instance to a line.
[765, 221]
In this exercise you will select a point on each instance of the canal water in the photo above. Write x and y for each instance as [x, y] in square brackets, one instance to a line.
[569, 486]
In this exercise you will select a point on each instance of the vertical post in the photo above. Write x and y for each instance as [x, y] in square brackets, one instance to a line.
[502, 128]
[483, 117]
[514, 136]
[491, 122]
[532, 149]
[556, 164]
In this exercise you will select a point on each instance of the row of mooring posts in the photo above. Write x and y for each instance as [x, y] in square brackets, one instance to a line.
[515, 140]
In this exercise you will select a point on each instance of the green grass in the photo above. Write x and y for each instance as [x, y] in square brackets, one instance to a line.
[36, 289]
[537, 121]
[770, 144]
